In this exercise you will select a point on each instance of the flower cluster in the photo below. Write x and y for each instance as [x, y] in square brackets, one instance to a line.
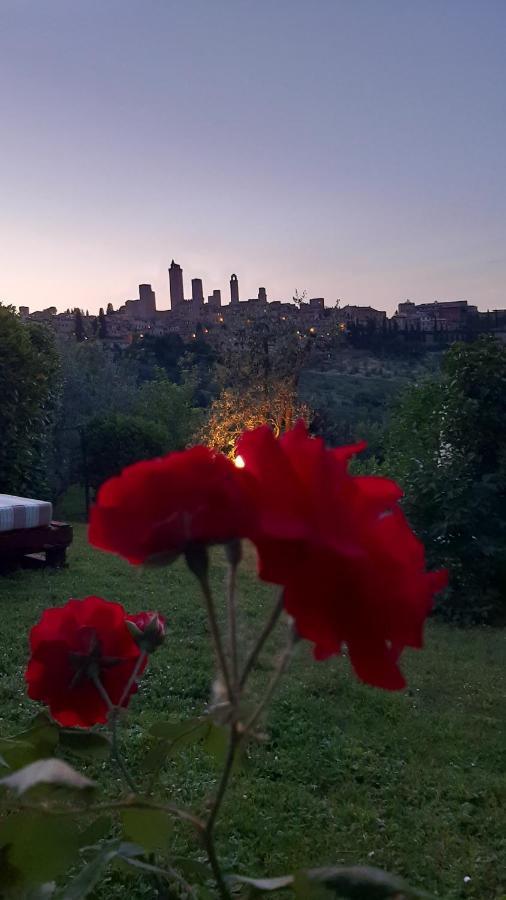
[352, 571]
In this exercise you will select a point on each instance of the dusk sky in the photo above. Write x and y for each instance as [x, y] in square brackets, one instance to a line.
[350, 148]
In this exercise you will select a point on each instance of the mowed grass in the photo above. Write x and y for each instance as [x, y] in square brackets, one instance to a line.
[413, 782]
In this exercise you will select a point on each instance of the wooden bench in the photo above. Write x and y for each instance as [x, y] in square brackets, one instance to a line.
[46, 545]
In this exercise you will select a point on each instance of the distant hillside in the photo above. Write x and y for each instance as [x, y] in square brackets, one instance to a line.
[352, 392]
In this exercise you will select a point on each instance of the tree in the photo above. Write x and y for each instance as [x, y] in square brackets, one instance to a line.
[447, 446]
[235, 411]
[94, 381]
[258, 372]
[170, 407]
[115, 441]
[79, 327]
[102, 324]
[29, 387]
[300, 298]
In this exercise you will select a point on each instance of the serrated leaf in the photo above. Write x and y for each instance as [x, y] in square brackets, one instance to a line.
[150, 828]
[40, 847]
[85, 744]
[46, 772]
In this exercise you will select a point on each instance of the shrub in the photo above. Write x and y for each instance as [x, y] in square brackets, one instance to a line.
[115, 441]
[28, 384]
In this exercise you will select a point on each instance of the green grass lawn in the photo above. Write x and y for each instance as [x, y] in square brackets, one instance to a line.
[413, 782]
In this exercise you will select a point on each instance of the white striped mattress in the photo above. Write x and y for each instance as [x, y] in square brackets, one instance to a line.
[21, 512]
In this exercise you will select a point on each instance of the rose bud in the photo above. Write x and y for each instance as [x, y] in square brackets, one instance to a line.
[148, 630]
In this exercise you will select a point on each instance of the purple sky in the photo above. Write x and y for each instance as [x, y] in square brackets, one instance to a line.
[352, 148]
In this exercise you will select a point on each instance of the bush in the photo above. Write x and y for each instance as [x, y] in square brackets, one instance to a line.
[115, 441]
[29, 386]
[447, 446]
[169, 406]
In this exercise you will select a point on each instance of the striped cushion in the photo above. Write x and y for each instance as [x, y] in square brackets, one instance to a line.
[20, 512]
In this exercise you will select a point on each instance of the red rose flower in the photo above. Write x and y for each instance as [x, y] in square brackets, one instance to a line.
[353, 571]
[71, 647]
[160, 507]
[148, 630]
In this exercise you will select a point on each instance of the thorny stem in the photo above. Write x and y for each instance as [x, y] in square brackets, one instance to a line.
[216, 636]
[208, 833]
[116, 752]
[113, 719]
[278, 672]
[133, 677]
[268, 627]
[236, 737]
[232, 625]
[129, 803]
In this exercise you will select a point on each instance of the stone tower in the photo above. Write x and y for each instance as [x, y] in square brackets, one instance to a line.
[147, 301]
[197, 291]
[176, 286]
[234, 289]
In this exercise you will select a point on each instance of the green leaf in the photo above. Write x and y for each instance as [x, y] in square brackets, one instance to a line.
[36, 742]
[46, 772]
[264, 884]
[216, 742]
[193, 869]
[96, 831]
[360, 882]
[305, 889]
[85, 744]
[85, 881]
[189, 730]
[82, 885]
[172, 737]
[151, 828]
[155, 757]
[41, 892]
[41, 847]
[42, 734]
[16, 753]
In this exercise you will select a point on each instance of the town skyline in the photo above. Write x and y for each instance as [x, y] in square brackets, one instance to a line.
[164, 295]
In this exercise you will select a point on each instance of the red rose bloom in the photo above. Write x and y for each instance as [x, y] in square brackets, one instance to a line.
[70, 646]
[353, 571]
[160, 507]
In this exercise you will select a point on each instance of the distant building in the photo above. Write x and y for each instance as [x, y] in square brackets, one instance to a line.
[147, 302]
[214, 301]
[176, 286]
[234, 289]
[197, 291]
[360, 315]
[451, 315]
